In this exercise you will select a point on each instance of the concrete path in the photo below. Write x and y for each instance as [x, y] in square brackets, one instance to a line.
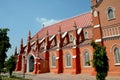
[51, 76]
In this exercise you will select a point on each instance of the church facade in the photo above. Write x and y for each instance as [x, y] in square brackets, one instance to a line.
[65, 47]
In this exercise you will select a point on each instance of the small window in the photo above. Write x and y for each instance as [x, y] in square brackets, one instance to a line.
[53, 61]
[70, 37]
[110, 13]
[95, 13]
[117, 55]
[86, 34]
[68, 60]
[86, 59]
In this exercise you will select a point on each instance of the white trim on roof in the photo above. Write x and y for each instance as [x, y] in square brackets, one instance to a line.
[64, 34]
[32, 42]
[41, 40]
[52, 37]
[79, 31]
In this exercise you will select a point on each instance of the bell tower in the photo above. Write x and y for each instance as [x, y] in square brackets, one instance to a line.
[106, 30]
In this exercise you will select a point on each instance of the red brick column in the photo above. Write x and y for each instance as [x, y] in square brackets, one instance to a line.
[46, 55]
[24, 69]
[38, 68]
[19, 63]
[59, 61]
[75, 61]
[35, 68]
[96, 27]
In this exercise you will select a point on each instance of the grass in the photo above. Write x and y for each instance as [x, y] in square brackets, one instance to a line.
[12, 78]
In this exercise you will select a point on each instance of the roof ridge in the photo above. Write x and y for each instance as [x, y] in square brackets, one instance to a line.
[67, 19]
[77, 16]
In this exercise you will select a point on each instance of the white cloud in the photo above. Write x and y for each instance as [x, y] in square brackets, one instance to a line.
[46, 22]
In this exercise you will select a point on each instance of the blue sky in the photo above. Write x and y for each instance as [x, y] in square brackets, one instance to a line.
[20, 16]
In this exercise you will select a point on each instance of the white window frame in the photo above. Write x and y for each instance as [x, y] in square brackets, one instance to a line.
[53, 63]
[86, 34]
[113, 9]
[68, 65]
[84, 55]
[70, 37]
[116, 57]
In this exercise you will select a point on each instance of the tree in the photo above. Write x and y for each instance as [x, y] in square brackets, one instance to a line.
[100, 61]
[10, 65]
[4, 46]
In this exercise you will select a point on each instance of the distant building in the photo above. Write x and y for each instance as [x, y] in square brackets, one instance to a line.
[65, 47]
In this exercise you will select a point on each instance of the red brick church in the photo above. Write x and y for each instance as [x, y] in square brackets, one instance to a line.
[65, 47]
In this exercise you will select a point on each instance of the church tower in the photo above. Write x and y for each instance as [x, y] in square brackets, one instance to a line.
[106, 15]
[106, 29]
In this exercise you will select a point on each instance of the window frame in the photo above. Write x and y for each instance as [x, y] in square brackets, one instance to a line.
[116, 57]
[53, 61]
[108, 14]
[84, 56]
[68, 65]
[70, 37]
[86, 34]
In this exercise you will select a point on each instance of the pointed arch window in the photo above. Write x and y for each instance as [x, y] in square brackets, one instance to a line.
[117, 55]
[86, 35]
[86, 59]
[111, 13]
[70, 37]
[68, 60]
[53, 61]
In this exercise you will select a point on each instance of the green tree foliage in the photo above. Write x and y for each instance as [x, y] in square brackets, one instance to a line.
[10, 65]
[100, 61]
[4, 46]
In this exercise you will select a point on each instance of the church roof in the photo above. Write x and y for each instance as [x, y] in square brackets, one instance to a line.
[83, 20]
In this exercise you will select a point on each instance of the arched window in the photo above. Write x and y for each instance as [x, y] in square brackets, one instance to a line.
[95, 13]
[86, 59]
[110, 13]
[53, 61]
[68, 60]
[70, 37]
[86, 35]
[117, 55]
[31, 64]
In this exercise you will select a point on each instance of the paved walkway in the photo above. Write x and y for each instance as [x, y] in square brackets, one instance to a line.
[51, 76]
